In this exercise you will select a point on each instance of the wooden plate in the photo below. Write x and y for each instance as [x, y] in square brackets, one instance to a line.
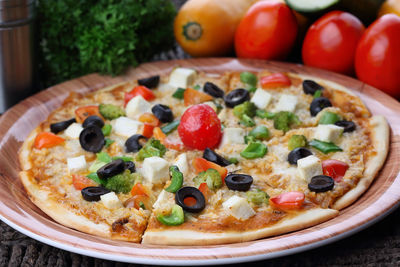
[19, 212]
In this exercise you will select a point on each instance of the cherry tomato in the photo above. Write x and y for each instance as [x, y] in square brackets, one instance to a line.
[200, 127]
[80, 181]
[83, 112]
[145, 92]
[192, 97]
[205, 190]
[377, 58]
[267, 31]
[201, 165]
[275, 80]
[334, 168]
[138, 189]
[47, 140]
[288, 200]
[148, 130]
[172, 144]
[331, 42]
[150, 119]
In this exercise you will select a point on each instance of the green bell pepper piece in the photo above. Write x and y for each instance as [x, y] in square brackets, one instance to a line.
[247, 121]
[260, 132]
[257, 197]
[329, 118]
[124, 158]
[179, 93]
[108, 143]
[170, 127]
[103, 157]
[324, 147]
[248, 78]
[297, 141]
[176, 217]
[263, 114]
[106, 129]
[317, 93]
[211, 177]
[176, 179]
[254, 150]
[233, 160]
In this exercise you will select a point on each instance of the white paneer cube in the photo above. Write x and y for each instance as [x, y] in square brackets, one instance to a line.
[238, 207]
[309, 167]
[182, 164]
[261, 98]
[74, 130]
[136, 107]
[286, 103]
[111, 201]
[163, 198]
[155, 170]
[126, 127]
[76, 164]
[328, 132]
[182, 77]
[233, 136]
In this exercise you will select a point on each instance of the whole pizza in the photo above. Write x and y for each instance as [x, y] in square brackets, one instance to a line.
[196, 158]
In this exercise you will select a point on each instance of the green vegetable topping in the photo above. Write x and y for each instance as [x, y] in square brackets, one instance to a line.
[252, 89]
[324, 147]
[265, 114]
[170, 127]
[176, 217]
[284, 119]
[329, 118]
[249, 139]
[96, 165]
[108, 143]
[111, 112]
[317, 93]
[121, 183]
[93, 176]
[197, 87]
[179, 93]
[141, 205]
[254, 150]
[124, 158]
[176, 179]
[248, 78]
[246, 108]
[211, 177]
[152, 148]
[233, 160]
[260, 132]
[297, 141]
[106, 129]
[257, 197]
[103, 157]
[247, 121]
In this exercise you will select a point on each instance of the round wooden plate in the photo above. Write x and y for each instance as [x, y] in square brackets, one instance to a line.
[19, 212]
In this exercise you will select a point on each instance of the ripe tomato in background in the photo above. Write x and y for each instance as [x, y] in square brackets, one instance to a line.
[267, 31]
[331, 42]
[377, 60]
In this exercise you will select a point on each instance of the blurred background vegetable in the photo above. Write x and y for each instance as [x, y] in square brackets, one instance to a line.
[84, 36]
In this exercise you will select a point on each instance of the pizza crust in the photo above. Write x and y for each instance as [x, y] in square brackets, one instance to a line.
[380, 141]
[24, 158]
[190, 237]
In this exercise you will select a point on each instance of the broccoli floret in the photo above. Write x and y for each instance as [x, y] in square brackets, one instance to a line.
[284, 119]
[153, 148]
[246, 108]
[121, 183]
[211, 177]
[111, 112]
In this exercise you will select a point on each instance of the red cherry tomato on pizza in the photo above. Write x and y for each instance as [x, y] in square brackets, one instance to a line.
[145, 92]
[205, 190]
[275, 80]
[201, 165]
[267, 31]
[377, 59]
[83, 112]
[47, 140]
[80, 181]
[138, 189]
[334, 168]
[331, 42]
[288, 200]
[200, 127]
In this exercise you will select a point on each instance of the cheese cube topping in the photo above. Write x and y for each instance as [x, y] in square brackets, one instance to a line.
[76, 164]
[286, 103]
[233, 136]
[155, 170]
[182, 77]
[163, 199]
[136, 107]
[126, 127]
[74, 130]
[309, 167]
[328, 132]
[182, 164]
[111, 201]
[238, 207]
[261, 98]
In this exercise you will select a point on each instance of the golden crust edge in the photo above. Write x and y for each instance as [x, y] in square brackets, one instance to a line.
[25, 150]
[191, 237]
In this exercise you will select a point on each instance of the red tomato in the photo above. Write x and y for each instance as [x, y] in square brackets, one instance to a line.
[201, 165]
[47, 140]
[334, 168]
[289, 200]
[80, 181]
[192, 97]
[267, 31]
[200, 127]
[149, 118]
[377, 59]
[148, 130]
[275, 80]
[145, 92]
[138, 189]
[331, 42]
[83, 112]
[172, 144]
[205, 190]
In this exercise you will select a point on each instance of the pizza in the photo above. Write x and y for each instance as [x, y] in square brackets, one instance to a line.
[196, 158]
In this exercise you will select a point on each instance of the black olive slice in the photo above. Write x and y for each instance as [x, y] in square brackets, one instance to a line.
[163, 113]
[150, 82]
[129, 165]
[92, 139]
[132, 144]
[213, 90]
[348, 126]
[93, 120]
[310, 87]
[298, 153]
[210, 155]
[189, 191]
[93, 193]
[239, 182]
[61, 126]
[321, 183]
[110, 169]
[236, 97]
[319, 104]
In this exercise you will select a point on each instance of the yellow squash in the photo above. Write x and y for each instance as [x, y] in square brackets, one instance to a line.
[390, 6]
[207, 27]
